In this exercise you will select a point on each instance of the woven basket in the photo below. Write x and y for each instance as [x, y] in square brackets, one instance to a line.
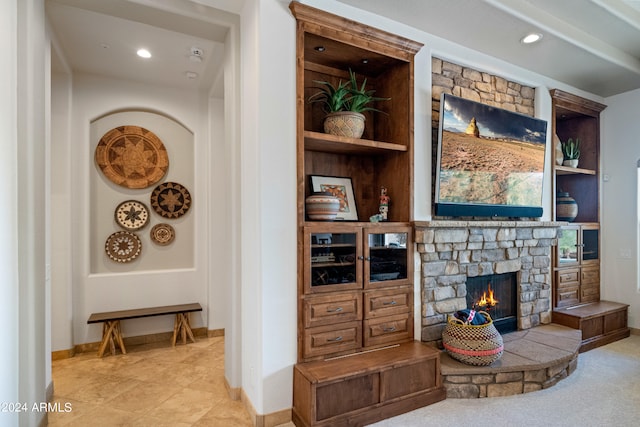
[478, 345]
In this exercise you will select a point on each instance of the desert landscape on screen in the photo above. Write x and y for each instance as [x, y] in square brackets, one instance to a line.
[490, 171]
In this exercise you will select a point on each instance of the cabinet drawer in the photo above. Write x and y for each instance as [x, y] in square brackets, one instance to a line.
[567, 296]
[387, 302]
[590, 275]
[332, 339]
[388, 330]
[568, 276]
[589, 293]
[332, 309]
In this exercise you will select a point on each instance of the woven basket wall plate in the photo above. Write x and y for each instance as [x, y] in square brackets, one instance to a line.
[162, 234]
[170, 200]
[123, 246]
[132, 215]
[132, 157]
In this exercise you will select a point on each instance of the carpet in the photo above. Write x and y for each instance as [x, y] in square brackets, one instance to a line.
[603, 391]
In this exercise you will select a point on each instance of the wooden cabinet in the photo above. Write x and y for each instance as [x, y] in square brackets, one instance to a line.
[578, 118]
[577, 257]
[358, 290]
[357, 361]
[367, 387]
[328, 46]
[576, 260]
[577, 265]
[355, 278]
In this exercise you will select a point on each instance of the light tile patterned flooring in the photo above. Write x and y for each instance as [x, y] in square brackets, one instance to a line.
[152, 385]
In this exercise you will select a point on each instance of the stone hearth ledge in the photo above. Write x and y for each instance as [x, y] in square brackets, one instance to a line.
[533, 359]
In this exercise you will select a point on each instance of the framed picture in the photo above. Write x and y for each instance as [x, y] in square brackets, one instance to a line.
[340, 187]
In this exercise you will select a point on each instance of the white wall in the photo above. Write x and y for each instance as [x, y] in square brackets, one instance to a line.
[60, 214]
[94, 97]
[620, 152]
[31, 113]
[9, 281]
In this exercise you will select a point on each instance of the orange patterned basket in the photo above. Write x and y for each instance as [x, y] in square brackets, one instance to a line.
[479, 345]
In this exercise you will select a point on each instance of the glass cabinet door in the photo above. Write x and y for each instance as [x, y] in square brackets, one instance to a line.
[387, 257]
[333, 261]
[590, 244]
[567, 250]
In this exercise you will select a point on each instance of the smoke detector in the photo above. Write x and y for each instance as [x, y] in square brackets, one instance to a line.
[196, 54]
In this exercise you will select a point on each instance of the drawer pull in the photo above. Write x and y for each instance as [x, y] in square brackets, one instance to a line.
[334, 310]
[390, 329]
[336, 339]
[392, 302]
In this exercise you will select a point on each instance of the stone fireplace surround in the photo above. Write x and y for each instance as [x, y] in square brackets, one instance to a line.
[451, 251]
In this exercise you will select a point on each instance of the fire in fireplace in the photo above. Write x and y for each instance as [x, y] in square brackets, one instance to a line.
[497, 295]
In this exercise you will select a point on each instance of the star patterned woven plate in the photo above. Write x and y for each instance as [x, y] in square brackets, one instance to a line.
[123, 246]
[162, 234]
[132, 215]
[170, 200]
[132, 157]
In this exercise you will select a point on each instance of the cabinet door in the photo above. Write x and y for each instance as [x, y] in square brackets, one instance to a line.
[333, 259]
[567, 252]
[590, 244]
[386, 257]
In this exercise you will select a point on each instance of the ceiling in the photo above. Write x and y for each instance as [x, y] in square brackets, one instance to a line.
[593, 45]
[101, 37]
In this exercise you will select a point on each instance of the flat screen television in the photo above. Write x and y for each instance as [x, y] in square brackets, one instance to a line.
[490, 161]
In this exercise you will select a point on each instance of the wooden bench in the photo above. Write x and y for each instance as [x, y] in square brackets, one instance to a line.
[112, 334]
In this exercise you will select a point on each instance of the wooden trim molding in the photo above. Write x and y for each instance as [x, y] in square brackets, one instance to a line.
[137, 340]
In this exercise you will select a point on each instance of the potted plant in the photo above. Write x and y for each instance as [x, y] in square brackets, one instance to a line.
[344, 105]
[571, 152]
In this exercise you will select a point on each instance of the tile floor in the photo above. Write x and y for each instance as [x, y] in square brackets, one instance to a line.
[152, 385]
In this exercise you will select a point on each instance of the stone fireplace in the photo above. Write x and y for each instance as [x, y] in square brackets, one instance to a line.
[452, 251]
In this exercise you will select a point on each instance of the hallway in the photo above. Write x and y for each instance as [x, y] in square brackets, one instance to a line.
[152, 385]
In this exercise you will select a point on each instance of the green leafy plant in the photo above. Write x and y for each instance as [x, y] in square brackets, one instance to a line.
[346, 96]
[571, 149]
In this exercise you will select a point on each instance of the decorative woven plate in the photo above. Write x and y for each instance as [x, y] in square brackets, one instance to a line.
[171, 200]
[132, 157]
[123, 246]
[132, 215]
[162, 234]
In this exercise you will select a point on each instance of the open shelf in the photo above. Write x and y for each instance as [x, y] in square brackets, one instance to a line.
[568, 170]
[322, 142]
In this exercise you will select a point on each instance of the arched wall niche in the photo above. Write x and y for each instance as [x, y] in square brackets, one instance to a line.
[106, 195]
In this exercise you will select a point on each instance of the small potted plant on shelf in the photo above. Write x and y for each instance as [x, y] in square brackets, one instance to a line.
[344, 105]
[571, 152]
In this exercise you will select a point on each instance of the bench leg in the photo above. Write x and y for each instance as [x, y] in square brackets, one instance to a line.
[111, 335]
[182, 326]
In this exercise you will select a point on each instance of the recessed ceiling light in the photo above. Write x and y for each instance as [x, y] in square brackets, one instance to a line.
[144, 53]
[191, 75]
[531, 38]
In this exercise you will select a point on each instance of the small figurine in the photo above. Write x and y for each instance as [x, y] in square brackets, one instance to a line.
[384, 203]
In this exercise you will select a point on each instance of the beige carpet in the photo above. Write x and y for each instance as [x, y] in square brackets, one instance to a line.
[603, 391]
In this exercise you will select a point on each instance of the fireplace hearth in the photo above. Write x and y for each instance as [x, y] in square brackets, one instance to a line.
[495, 294]
[454, 252]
